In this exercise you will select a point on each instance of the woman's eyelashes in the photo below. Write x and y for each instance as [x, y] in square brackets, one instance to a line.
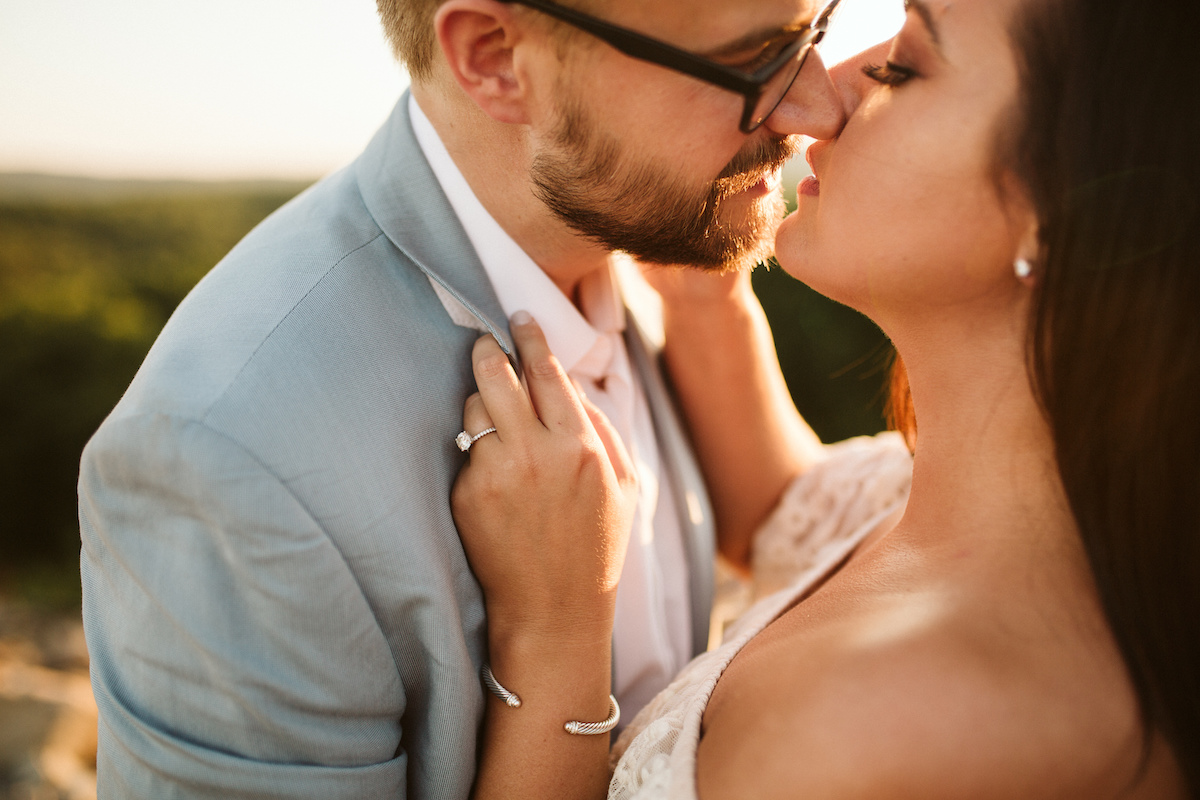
[890, 74]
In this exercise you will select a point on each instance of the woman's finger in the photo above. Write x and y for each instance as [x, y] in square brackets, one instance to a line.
[554, 398]
[618, 456]
[503, 397]
[476, 418]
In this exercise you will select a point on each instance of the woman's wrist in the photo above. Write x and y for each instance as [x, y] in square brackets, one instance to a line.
[570, 669]
[702, 312]
[549, 623]
[562, 631]
[699, 328]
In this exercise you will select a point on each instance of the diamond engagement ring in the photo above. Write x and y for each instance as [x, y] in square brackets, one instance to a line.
[464, 440]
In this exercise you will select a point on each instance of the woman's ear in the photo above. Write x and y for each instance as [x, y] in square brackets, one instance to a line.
[1026, 265]
[477, 38]
[1024, 226]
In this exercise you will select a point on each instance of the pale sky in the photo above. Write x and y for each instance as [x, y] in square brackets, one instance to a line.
[221, 88]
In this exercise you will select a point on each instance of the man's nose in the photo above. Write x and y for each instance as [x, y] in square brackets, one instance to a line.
[848, 78]
[812, 105]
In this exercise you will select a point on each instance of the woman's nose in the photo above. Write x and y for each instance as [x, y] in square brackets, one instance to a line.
[848, 78]
[812, 106]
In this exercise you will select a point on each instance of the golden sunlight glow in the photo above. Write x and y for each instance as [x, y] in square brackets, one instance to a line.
[224, 88]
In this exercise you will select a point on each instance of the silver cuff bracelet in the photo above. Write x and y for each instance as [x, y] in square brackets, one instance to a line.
[574, 727]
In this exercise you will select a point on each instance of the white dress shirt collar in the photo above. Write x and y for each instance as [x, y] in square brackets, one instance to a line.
[575, 338]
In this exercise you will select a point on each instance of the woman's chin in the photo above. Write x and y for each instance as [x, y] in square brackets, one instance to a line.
[791, 245]
[798, 252]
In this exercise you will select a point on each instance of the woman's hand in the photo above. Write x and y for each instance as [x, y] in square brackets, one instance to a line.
[544, 509]
[545, 505]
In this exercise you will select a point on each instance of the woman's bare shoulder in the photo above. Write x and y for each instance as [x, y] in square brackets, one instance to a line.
[911, 697]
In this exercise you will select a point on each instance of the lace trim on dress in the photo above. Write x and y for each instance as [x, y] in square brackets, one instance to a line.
[829, 502]
[819, 521]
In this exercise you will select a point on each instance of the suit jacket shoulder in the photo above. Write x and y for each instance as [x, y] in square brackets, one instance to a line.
[290, 437]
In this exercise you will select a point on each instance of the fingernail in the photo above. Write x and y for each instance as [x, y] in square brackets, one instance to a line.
[522, 318]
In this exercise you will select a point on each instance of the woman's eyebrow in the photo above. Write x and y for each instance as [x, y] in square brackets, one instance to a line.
[926, 14]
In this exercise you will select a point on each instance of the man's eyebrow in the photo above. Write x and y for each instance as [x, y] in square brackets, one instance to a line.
[757, 38]
[926, 14]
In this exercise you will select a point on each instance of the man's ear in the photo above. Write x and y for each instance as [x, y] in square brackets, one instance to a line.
[477, 38]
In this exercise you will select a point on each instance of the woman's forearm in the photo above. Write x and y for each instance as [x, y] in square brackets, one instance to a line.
[749, 437]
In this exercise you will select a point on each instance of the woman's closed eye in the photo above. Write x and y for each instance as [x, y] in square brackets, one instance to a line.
[890, 74]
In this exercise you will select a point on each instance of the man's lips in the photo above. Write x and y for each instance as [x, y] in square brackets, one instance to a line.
[756, 169]
[756, 182]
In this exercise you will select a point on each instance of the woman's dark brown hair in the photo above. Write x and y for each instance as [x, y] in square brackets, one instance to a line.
[1107, 148]
[1105, 138]
[1105, 142]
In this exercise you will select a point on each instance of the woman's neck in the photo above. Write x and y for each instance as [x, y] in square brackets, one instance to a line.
[984, 462]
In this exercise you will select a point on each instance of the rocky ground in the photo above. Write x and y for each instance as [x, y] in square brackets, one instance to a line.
[47, 713]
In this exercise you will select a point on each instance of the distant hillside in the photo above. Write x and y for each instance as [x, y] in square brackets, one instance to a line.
[39, 187]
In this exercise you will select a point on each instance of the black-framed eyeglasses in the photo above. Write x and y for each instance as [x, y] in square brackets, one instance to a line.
[763, 88]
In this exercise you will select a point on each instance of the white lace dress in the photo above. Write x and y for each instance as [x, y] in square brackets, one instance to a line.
[822, 516]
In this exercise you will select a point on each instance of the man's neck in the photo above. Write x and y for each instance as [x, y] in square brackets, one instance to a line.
[494, 159]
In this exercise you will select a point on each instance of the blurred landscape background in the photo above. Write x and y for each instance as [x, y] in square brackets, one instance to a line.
[249, 101]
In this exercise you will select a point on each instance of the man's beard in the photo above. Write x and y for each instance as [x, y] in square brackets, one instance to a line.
[640, 208]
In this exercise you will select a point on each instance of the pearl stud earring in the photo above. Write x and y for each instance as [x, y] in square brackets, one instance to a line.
[1022, 268]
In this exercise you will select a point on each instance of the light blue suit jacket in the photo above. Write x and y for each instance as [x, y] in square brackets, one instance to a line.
[276, 601]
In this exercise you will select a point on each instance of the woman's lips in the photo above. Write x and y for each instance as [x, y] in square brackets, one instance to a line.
[811, 186]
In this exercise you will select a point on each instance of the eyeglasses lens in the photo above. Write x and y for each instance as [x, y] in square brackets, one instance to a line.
[777, 87]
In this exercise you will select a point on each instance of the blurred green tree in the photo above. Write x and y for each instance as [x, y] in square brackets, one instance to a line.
[835, 360]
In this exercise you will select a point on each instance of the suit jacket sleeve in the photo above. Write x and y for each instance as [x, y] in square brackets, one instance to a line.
[285, 688]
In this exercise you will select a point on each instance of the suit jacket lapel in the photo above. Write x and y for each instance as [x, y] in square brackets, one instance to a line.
[420, 222]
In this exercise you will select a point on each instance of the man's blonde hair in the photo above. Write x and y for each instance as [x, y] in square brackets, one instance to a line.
[408, 25]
